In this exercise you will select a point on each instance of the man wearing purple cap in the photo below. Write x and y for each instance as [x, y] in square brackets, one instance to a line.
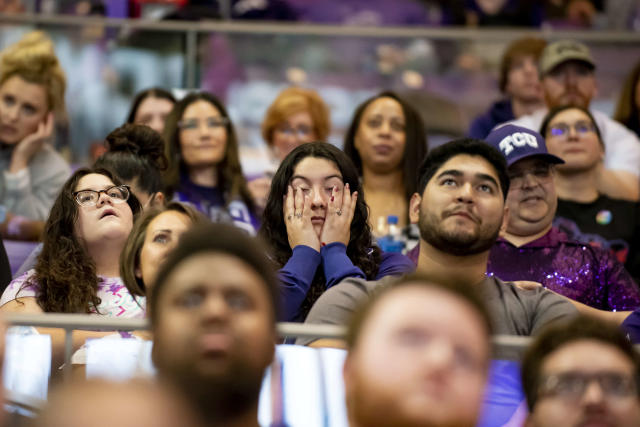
[531, 249]
[566, 70]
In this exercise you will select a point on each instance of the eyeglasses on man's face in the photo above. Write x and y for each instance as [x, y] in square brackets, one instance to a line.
[209, 122]
[571, 386]
[542, 172]
[562, 130]
[117, 194]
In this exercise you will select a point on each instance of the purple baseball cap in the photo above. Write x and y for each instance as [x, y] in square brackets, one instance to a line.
[517, 143]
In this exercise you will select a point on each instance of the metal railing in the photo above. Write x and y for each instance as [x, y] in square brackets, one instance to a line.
[191, 30]
[71, 322]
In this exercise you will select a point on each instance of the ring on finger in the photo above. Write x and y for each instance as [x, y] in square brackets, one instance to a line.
[339, 212]
[298, 215]
[289, 217]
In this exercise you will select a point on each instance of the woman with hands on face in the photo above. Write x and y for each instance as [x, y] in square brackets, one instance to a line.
[32, 86]
[316, 222]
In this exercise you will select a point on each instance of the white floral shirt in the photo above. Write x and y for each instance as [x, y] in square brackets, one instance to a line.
[116, 301]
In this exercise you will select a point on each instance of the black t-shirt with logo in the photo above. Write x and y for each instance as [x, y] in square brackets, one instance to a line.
[612, 224]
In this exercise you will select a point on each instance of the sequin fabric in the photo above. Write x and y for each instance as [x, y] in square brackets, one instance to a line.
[581, 272]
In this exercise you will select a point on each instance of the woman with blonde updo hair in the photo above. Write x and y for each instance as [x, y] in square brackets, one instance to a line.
[295, 117]
[32, 86]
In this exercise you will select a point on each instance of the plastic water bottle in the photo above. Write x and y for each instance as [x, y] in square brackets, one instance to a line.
[392, 241]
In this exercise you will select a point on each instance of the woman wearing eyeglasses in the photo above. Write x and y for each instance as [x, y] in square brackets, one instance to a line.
[78, 268]
[204, 165]
[387, 142]
[295, 117]
[583, 213]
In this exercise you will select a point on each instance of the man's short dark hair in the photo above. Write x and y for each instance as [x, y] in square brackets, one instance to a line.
[465, 292]
[473, 147]
[223, 239]
[561, 334]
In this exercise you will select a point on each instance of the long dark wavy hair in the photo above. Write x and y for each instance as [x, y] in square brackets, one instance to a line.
[231, 180]
[65, 274]
[415, 148]
[360, 249]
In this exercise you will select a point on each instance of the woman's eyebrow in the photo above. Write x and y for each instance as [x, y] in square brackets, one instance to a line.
[326, 178]
[163, 230]
[294, 177]
[91, 189]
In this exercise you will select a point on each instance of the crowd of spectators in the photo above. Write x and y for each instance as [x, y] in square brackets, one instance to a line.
[528, 227]
[573, 14]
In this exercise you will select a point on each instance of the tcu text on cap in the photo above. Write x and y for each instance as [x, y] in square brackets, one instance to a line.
[518, 139]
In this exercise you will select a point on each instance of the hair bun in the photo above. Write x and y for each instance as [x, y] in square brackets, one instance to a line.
[139, 140]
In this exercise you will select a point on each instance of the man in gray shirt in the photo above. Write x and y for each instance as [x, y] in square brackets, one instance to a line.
[459, 211]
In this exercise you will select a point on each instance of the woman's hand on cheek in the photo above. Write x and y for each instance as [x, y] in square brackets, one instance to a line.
[340, 211]
[297, 219]
[31, 144]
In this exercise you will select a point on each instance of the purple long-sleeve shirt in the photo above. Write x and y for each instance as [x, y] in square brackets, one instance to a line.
[298, 273]
[581, 272]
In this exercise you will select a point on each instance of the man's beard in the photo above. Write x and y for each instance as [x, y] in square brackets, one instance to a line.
[454, 243]
[220, 399]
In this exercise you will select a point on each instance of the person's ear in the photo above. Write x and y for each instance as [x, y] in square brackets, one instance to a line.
[505, 220]
[414, 208]
[138, 272]
[159, 200]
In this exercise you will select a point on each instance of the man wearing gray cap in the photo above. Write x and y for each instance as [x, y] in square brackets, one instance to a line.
[567, 75]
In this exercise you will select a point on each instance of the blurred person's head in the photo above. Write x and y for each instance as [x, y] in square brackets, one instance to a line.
[295, 117]
[418, 354]
[567, 74]
[213, 312]
[199, 135]
[125, 404]
[135, 153]
[151, 108]
[532, 200]
[386, 134]
[94, 211]
[573, 135]
[459, 206]
[519, 76]
[579, 373]
[628, 107]
[32, 84]
[155, 233]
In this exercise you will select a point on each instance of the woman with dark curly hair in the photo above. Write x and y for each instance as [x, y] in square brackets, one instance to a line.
[316, 217]
[78, 268]
[204, 165]
[386, 141]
